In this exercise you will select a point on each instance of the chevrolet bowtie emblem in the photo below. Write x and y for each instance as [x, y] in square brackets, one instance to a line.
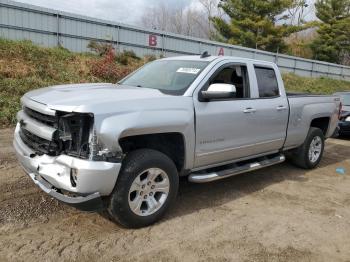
[22, 123]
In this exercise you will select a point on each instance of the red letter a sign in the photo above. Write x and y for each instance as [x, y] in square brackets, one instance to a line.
[221, 51]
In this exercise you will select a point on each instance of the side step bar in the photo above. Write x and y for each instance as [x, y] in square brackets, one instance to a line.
[235, 169]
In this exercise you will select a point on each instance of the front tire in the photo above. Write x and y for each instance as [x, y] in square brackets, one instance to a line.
[147, 185]
[309, 154]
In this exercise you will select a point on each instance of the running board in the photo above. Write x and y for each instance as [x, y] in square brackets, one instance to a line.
[235, 169]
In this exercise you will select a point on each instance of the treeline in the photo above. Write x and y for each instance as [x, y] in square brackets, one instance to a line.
[311, 29]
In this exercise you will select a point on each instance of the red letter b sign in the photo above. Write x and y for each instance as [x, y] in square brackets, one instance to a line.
[152, 40]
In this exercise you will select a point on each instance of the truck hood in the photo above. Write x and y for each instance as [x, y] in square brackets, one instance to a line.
[75, 96]
[120, 111]
[106, 100]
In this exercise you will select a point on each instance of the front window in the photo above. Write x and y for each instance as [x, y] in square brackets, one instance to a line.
[168, 76]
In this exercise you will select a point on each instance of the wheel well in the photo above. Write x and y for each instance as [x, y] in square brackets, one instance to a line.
[321, 123]
[171, 144]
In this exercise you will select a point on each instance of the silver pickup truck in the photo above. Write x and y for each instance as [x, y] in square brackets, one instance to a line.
[122, 147]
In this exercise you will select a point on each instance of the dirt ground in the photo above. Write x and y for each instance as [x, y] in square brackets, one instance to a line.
[281, 213]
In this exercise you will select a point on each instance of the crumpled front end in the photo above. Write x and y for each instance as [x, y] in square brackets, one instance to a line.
[59, 152]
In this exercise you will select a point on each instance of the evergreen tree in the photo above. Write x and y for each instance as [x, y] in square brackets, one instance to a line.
[330, 11]
[333, 41]
[253, 23]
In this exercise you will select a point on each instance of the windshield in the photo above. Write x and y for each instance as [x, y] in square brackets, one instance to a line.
[169, 76]
[345, 99]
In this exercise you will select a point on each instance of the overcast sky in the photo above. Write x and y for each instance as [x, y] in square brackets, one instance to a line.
[125, 11]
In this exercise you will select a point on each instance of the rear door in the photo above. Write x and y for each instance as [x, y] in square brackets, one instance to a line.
[272, 109]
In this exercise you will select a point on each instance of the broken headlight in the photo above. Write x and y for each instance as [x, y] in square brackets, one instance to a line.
[74, 132]
[99, 152]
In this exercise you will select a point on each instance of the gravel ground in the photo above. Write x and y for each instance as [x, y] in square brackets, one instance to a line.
[280, 213]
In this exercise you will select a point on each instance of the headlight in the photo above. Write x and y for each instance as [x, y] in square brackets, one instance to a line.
[347, 119]
[78, 137]
[74, 132]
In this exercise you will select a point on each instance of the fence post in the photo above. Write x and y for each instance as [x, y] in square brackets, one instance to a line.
[276, 59]
[328, 70]
[58, 29]
[163, 45]
[118, 38]
[342, 72]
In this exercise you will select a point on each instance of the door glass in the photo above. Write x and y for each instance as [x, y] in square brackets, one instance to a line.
[267, 82]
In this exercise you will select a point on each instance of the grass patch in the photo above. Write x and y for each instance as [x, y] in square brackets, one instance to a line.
[25, 66]
[321, 85]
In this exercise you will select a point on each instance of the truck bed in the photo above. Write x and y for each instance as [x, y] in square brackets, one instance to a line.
[306, 107]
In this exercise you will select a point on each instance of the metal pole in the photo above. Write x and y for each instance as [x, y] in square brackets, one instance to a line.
[328, 70]
[276, 56]
[342, 72]
[163, 45]
[118, 38]
[58, 29]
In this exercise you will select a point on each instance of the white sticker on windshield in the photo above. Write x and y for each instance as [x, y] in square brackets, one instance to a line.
[188, 70]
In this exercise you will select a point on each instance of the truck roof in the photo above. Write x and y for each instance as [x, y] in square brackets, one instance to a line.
[217, 58]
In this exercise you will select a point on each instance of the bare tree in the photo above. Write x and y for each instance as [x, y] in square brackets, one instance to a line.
[177, 21]
[193, 20]
[211, 8]
[156, 18]
[299, 11]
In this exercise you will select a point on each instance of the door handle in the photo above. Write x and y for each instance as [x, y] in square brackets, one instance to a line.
[280, 108]
[249, 110]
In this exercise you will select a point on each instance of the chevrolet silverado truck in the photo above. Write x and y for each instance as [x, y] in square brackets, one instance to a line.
[122, 147]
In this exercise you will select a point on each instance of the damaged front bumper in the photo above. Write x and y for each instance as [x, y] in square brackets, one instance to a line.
[94, 179]
[92, 202]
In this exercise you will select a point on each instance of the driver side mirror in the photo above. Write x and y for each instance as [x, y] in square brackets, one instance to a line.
[218, 91]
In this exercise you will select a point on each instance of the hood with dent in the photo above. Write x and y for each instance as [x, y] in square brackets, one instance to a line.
[95, 97]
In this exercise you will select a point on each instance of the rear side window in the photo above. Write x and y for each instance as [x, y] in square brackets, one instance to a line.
[267, 82]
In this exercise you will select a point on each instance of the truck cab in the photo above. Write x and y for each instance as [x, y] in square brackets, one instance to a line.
[251, 122]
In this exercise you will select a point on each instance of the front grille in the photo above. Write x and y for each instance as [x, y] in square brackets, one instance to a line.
[38, 144]
[42, 118]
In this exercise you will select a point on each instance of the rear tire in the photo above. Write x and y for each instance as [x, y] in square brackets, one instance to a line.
[309, 154]
[147, 185]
